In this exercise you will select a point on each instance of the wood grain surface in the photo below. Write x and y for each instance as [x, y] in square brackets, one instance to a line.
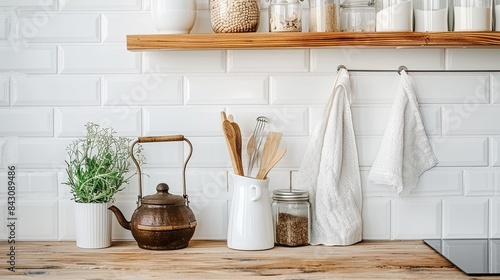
[311, 40]
[213, 260]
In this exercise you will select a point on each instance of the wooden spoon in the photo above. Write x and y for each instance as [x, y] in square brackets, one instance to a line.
[230, 136]
[276, 158]
[239, 147]
[223, 116]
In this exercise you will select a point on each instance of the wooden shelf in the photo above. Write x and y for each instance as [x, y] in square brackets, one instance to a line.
[310, 40]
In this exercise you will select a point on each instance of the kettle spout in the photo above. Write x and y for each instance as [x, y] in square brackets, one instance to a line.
[119, 216]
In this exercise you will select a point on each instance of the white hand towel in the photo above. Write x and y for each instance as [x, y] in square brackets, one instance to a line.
[405, 152]
[330, 172]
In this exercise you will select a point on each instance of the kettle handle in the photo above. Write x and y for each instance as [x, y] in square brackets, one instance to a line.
[152, 139]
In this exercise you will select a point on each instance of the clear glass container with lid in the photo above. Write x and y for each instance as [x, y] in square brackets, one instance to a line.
[285, 16]
[358, 16]
[291, 216]
[324, 15]
[472, 15]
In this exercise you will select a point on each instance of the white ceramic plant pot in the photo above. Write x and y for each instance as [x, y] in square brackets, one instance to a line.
[92, 225]
[173, 16]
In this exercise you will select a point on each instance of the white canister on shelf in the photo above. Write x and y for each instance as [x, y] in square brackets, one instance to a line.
[497, 15]
[173, 16]
[394, 15]
[431, 15]
[472, 15]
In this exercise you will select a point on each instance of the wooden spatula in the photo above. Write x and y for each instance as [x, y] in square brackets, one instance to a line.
[270, 147]
[276, 158]
[250, 153]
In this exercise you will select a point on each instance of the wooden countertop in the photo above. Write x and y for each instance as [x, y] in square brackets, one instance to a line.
[213, 260]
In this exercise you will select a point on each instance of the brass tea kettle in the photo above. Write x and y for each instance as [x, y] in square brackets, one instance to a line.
[161, 221]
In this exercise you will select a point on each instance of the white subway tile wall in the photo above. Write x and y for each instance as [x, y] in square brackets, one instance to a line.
[150, 89]
[93, 59]
[3, 26]
[55, 90]
[60, 28]
[4, 91]
[34, 59]
[64, 63]
[495, 89]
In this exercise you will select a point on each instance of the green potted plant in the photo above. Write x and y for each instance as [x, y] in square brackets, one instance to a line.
[97, 168]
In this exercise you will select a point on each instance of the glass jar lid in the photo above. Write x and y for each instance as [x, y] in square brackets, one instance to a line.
[357, 3]
[290, 195]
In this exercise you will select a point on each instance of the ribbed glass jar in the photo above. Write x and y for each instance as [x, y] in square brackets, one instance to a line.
[234, 16]
[291, 216]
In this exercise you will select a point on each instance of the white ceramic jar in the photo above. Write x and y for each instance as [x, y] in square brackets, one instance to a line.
[497, 15]
[173, 16]
[472, 15]
[394, 15]
[431, 15]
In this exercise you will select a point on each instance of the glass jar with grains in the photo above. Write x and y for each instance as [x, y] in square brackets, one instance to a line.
[324, 15]
[291, 215]
[285, 16]
[234, 16]
[358, 16]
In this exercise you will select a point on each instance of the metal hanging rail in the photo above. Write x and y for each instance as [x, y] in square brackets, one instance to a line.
[402, 67]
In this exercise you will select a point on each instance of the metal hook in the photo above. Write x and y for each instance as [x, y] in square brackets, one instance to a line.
[401, 68]
[341, 67]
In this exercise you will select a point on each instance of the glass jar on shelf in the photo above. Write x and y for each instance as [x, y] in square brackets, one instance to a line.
[324, 15]
[291, 216]
[358, 16]
[472, 15]
[393, 15]
[234, 16]
[285, 16]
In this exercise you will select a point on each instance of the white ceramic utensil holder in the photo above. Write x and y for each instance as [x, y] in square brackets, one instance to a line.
[250, 224]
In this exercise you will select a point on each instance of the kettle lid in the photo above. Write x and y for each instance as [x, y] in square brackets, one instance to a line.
[162, 197]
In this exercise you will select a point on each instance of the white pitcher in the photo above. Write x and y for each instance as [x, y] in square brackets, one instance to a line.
[250, 224]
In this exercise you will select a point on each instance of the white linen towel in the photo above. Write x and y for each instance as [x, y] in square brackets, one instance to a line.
[405, 152]
[330, 172]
